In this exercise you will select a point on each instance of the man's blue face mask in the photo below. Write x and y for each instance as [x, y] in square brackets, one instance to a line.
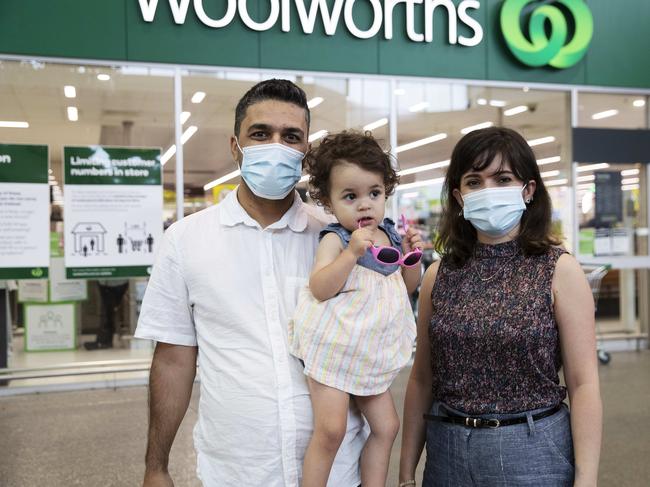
[494, 211]
[271, 171]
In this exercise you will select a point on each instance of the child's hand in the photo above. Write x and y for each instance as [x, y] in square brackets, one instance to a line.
[411, 241]
[360, 241]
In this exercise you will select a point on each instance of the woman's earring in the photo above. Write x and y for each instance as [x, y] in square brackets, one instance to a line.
[528, 200]
[460, 213]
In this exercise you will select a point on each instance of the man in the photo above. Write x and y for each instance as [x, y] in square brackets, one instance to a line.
[224, 286]
[111, 291]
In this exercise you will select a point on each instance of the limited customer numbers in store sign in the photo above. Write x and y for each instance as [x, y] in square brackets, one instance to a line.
[331, 14]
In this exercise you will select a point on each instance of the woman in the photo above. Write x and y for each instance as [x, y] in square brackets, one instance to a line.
[499, 315]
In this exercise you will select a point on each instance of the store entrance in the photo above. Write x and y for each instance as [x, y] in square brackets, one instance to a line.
[611, 185]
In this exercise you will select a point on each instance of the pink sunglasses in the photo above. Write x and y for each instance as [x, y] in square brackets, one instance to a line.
[392, 256]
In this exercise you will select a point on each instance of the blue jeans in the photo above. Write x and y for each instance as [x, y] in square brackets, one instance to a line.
[532, 454]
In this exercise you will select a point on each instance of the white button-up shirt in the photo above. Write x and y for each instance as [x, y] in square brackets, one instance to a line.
[225, 284]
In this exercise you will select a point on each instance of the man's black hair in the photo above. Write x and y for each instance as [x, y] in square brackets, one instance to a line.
[272, 89]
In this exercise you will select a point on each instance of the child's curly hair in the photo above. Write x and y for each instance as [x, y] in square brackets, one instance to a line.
[349, 146]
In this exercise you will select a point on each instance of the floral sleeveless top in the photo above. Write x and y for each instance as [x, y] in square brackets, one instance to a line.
[493, 336]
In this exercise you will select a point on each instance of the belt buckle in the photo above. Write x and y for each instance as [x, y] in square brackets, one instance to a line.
[492, 423]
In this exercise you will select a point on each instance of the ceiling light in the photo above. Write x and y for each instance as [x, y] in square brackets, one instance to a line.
[424, 167]
[376, 124]
[630, 172]
[400, 91]
[605, 114]
[103, 77]
[184, 138]
[412, 194]
[587, 203]
[548, 160]
[419, 143]
[556, 182]
[221, 180]
[418, 107]
[73, 114]
[583, 179]
[314, 102]
[587, 186]
[540, 141]
[481, 101]
[168, 154]
[630, 181]
[418, 184]
[184, 117]
[630, 187]
[191, 130]
[318, 135]
[515, 110]
[498, 103]
[13, 125]
[198, 97]
[69, 91]
[550, 174]
[472, 128]
[593, 167]
[639, 103]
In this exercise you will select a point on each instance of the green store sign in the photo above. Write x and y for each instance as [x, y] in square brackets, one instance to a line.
[569, 42]
[536, 49]
[332, 13]
[553, 50]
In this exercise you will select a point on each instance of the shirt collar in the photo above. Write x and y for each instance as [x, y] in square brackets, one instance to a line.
[233, 213]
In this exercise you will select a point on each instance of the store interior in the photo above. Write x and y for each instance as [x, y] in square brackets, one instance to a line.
[61, 104]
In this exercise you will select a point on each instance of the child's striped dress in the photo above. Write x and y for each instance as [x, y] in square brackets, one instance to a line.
[358, 340]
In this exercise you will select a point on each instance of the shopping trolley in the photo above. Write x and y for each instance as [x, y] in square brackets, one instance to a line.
[594, 275]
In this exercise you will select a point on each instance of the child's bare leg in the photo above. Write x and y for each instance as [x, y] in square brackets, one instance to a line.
[380, 413]
[330, 423]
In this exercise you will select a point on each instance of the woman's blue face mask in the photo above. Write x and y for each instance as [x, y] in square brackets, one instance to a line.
[494, 211]
[271, 171]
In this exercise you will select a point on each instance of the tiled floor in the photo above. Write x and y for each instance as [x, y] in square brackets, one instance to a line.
[97, 438]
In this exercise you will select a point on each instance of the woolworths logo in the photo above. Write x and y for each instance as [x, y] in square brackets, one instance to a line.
[548, 31]
[37, 272]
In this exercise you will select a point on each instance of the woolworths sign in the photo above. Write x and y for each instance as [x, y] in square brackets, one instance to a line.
[544, 40]
[332, 14]
[538, 48]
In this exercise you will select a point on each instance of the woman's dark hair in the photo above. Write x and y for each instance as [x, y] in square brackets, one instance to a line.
[349, 146]
[476, 151]
[271, 89]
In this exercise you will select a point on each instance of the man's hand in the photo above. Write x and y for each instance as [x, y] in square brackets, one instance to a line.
[157, 479]
[411, 241]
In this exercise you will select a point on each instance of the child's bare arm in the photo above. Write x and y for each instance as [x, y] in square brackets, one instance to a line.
[412, 240]
[334, 263]
[411, 277]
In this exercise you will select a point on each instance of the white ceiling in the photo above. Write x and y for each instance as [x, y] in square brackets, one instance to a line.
[33, 92]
